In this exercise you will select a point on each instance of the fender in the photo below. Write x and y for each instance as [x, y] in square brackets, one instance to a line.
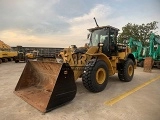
[131, 56]
[106, 59]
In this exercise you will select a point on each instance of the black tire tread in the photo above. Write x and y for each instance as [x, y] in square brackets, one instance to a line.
[86, 77]
[123, 74]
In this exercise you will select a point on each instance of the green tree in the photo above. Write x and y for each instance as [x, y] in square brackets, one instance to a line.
[138, 32]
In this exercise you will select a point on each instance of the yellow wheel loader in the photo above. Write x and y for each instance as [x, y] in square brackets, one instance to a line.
[23, 55]
[6, 52]
[47, 85]
[32, 54]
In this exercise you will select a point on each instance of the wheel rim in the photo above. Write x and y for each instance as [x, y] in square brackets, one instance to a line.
[100, 76]
[130, 70]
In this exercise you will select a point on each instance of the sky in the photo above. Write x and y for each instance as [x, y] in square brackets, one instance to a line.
[61, 23]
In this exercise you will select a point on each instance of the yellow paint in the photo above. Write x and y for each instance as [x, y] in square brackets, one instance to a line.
[120, 97]
[130, 70]
[100, 76]
[121, 55]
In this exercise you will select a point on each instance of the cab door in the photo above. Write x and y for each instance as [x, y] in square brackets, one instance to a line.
[106, 42]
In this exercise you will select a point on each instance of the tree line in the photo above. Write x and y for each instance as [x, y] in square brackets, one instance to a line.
[138, 32]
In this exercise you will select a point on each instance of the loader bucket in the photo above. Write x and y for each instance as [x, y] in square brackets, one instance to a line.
[46, 85]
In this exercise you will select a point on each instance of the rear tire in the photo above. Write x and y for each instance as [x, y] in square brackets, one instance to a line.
[5, 60]
[11, 59]
[158, 66]
[0, 61]
[127, 72]
[95, 76]
[120, 74]
[16, 61]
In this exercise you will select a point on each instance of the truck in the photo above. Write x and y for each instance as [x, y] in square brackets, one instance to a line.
[6, 52]
[24, 56]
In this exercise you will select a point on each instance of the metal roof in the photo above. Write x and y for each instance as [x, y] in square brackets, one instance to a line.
[108, 26]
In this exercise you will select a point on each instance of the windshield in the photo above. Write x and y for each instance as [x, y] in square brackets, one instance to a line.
[98, 36]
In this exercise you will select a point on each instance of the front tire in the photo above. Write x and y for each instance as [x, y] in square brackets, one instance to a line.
[95, 76]
[5, 60]
[16, 61]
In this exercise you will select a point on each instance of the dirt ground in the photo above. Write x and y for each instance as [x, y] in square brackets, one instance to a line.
[141, 104]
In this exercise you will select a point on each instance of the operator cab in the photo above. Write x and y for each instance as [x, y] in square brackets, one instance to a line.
[106, 35]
